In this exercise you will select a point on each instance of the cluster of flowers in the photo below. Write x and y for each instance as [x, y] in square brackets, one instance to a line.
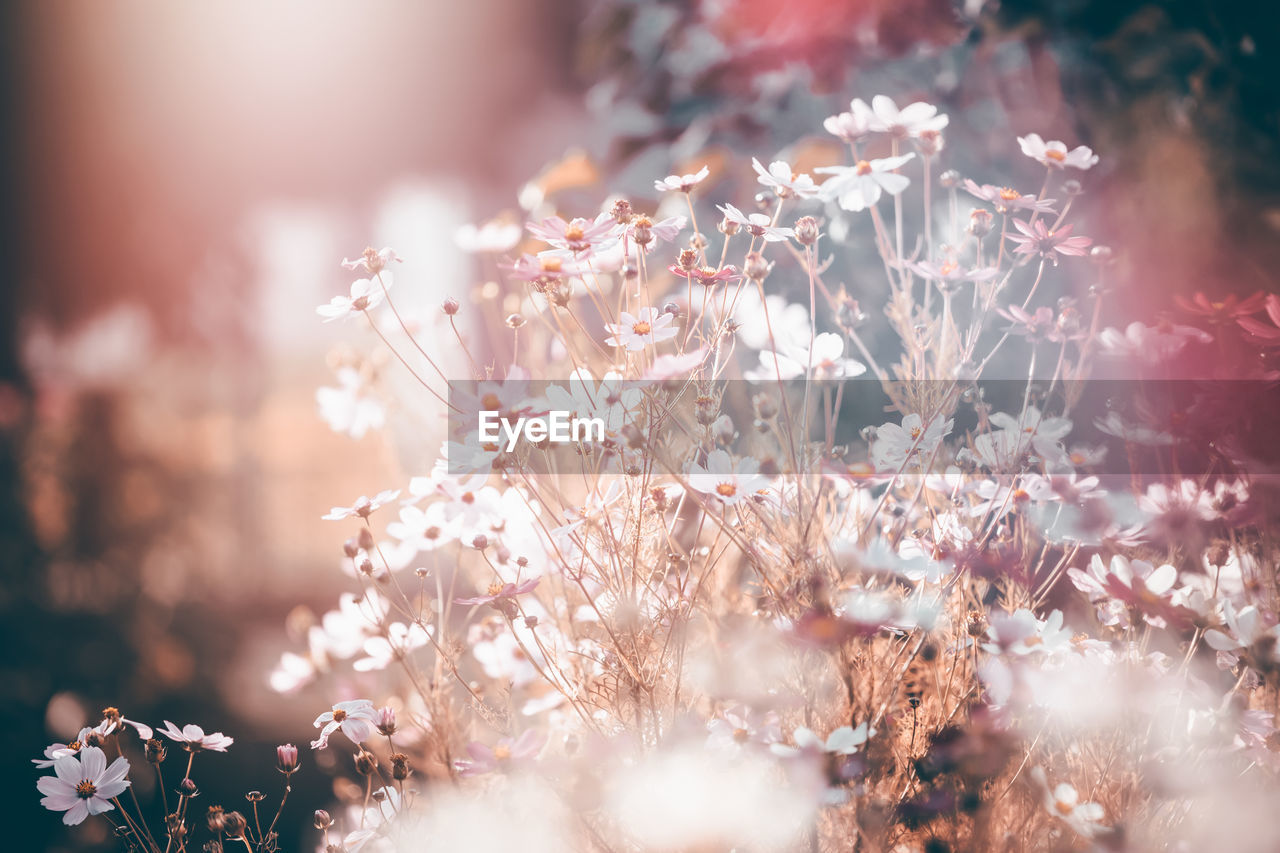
[721, 627]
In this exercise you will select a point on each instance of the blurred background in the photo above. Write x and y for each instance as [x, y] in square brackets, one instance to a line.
[182, 179]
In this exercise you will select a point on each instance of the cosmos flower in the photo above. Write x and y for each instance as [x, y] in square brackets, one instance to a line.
[373, 261]
[1038, 239]
[949, 273]
[580, 237]
[681, 183]
[725, 481]
[757, 224]
[783, 181]
[636, 331]
[1063, 803]
[1222, 311]
[83, 785]
[853, 126]
[193, 738]
[912, 120]
[859, 186]
[1007, 200]
[499, 591]
[366, 293]
[895, 444]
[1055, 154]
[503, 755]
[348, 408]
[363, 507]
[355, 718]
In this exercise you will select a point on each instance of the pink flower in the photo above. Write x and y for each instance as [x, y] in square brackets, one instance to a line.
[83, 785]
[500, 591]
[1006, 199]
[708, 276]
[950, 273]
[1269, 335]
[355, 718]
[579, 236]
[193, 738]
[1055, 154]
[502, 755]
[1038, 239]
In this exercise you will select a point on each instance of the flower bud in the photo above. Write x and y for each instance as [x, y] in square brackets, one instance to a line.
[450, 306]
[806, 230]
[480, 542]
[215, 819]
[698, 242]
[515, 321]
[642, 230]
[930, 142]
[351, 548]
[980, 222]
[365, 539]
[949, 179]
[706, 410]
[671, 308]
[234, 824]
[386, 721]
[688, 260]
[1100, 255]
[765, 406]
[756, 267]
[323, 820]
[621, 211]
[366, 763]
[154, 751]
[255, 796]
[399, 766]
[1072, 187]
[287, 758]
[728, 227]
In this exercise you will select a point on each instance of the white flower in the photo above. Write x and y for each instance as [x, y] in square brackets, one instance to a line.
[366, 293]
[635, 332]
[681, 183]
[1151, 344]
[912, 120]
[83, 785]
[193, 738]
[783, 181]
[895, 444]
[725, 481]
[489, 237]
[1021, 633]
[1063, 802]
[348, 409]
[1055, 154]
[859, 186]
[363, 506]
[399, 641]
[824, 361]
[373, 261]
[54, 751]
[757, 224]
[1246, 627]
[355, 718]
[843, 741]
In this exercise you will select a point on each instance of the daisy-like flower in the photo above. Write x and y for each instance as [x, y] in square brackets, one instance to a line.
[398, 642]
[1005, 199]
[845, 740]
[507, 752]
[113, 720]
[736, 728]
[363, 507]
[193, 738]
[1245, 628]
[787, 184]
[1151, 344]
[355, 718]
[951, 274]
[1131, 583]
[859, 186]
[826, 360]
[54, 751]
[681, 183]
[1269, 335]
[649, 328]
[1055, 154]
[853, 126]
[1021, 633]
[707, 276]
[544, 268]
[366, 293]
[373, 261]
[1114, 424]
[912, 120]
[757, 224]
[725, 481]
[646, 233]
[1039, 239]
[489, 237]
[580, 237]
[895, 444]
[1043, 324]
[1223, 311]
[1063, 803]
[83, 785]
[498, 592]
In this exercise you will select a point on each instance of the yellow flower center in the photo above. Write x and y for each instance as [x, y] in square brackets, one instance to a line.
[915, 433]
[552, 264]
[948, 268]
[573, 233]
[339, 715]
[501, 752]
[1008, 194]
[727, 490]
[1064, 808]
[863, 167]
[641, 328]
[495, 588]
[1055, 155]
[491, 402]
[86, 789]
[741, 735]
[468, 498]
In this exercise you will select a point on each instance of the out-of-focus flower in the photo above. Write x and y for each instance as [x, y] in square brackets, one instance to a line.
[113, 720]
[348, 408]
[636, 331]
[1113, 424]
[1006, 199]
[489, 237]
[504, 755]
[363, 507]
[1246, 628]
[1055, 154]
[681, 183]
[366, 293]
[825, 360]
[498, 592]
[193, 738]
[373, 261]
[399, 641]
[725, 481]
[60, 750]
[1038, 239]
[708, 276]
[859, 186]
[1063, 803]
[949, 273]
[912, 120]
[83, 785]
[845, 740]
[1022, 633]
[783, 181]
[853, 126]
[1269, 335]
[1223, 311]
[757, 224]
[1150, 344]
[287, 758]
[736, 728]
[355, 718]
